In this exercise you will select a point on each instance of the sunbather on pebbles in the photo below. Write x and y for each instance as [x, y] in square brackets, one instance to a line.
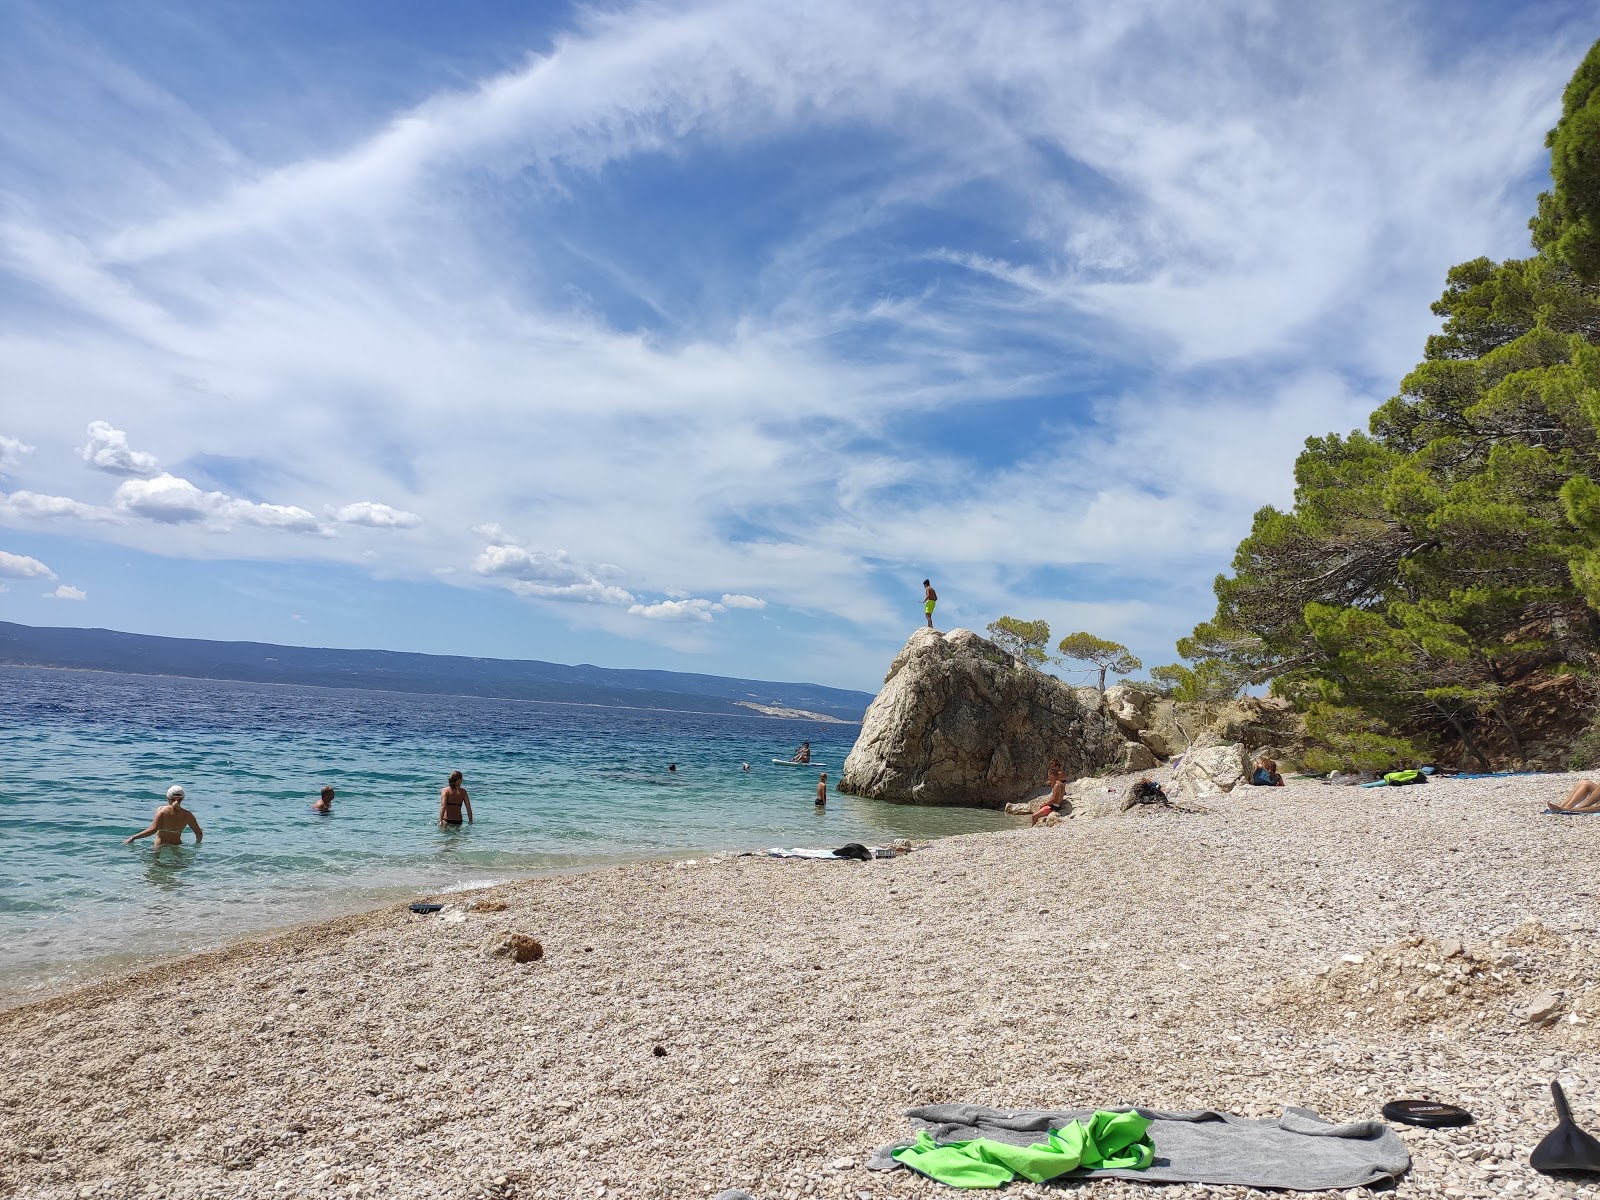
[1583, 798]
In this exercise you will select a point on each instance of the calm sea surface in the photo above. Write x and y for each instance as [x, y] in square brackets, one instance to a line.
[89, 757]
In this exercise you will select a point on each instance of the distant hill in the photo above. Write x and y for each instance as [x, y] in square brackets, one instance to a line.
[435, 674]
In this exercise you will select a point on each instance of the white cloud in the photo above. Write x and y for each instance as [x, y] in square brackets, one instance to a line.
[21, 566]
[67, 592]
[738, 601]
[23, 504]
[108, 450]
[172, 501]
[376, 516]
[12, 451]
[547, 575]
[693, 609]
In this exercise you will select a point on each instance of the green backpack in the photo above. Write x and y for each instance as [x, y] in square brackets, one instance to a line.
[1400, 778]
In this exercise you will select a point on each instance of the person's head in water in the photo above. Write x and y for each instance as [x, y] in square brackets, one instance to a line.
[175, 794]
[455, 778]
[672, 766]
[327, 793]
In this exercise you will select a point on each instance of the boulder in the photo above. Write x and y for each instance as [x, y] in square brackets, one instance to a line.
[1136, 757]
[961, 722]
[1210, 769]
[518, 947]
[1130, 708]
[1167, 728]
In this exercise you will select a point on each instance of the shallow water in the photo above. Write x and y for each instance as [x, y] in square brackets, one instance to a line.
[553, 787]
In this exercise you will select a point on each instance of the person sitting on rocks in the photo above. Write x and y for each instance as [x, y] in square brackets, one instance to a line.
[1056, 777]
[1265, 773]
[1583, 798]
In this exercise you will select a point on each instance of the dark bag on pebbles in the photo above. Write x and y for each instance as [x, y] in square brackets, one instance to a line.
[854, 850]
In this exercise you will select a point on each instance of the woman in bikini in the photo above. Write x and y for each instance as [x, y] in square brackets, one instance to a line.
[453, 800]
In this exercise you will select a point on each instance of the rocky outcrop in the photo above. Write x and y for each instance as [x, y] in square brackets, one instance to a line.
[1211, 769]
[960, 722]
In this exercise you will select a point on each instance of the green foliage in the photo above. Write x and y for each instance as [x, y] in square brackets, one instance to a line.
[1568, 223]
[1346, 739]
[1108, 656]
[1024, 640]
[1453, 548]
[1584, 754]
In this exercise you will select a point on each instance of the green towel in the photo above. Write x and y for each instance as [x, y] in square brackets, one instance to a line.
[1111, 1140]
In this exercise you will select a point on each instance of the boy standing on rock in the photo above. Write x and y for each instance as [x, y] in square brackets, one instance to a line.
[929, 599]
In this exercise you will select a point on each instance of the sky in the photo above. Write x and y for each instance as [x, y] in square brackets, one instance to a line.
[695, 336]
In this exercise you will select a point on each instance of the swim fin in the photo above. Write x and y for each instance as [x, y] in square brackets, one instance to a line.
[1566, 1147]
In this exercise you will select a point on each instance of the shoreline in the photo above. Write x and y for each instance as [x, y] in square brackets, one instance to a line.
[760, 1023]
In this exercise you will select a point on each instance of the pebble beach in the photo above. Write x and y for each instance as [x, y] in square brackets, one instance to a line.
[743, 1022]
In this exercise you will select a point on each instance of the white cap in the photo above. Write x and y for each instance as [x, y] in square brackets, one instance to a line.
[175, 792]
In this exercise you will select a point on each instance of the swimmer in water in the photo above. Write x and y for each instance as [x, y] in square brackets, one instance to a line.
[324, 802]
[453, 800]
[746, 766]
[169, 822]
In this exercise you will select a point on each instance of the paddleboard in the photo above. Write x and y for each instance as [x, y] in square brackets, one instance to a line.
[789, 762]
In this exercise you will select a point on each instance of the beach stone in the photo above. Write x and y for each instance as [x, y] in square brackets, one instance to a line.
[1212, 770]
[961, 722]
[516, 946]
[1020, 810]
[1544, 1009]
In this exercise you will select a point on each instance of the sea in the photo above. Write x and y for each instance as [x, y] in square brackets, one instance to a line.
[554, 787]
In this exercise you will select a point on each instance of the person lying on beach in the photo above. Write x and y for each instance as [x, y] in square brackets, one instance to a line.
[1265, 773]
[1057, 779]
[324, 802]
[1583, 798]
[169, 822]
[453, 800]
[803, 754]
[822, 790]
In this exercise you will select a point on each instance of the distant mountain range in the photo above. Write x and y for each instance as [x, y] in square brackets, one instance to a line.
[435, 674]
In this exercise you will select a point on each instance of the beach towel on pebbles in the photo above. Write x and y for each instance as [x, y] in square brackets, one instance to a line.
[1299, 1151]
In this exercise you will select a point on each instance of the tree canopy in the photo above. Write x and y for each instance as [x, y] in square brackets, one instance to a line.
[1434, 564]
[1108, 656]
[1025, 640]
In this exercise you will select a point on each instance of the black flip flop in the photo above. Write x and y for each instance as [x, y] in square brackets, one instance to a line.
[1566, 1147]
[1430, 1114]
[426, 908]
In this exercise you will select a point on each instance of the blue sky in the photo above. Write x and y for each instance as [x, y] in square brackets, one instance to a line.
[694, 336]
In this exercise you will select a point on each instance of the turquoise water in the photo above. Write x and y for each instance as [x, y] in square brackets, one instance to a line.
[553, 787]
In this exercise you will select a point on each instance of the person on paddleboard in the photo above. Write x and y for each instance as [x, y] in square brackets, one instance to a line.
[802, 755]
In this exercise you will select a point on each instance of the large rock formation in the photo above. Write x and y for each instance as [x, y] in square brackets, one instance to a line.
[960, 722]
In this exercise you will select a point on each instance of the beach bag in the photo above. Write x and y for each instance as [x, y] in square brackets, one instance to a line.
[854, 850]
[1401, 778]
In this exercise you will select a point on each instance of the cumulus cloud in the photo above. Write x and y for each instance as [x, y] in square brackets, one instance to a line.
[108, 450]
[67, 592]
[373, 515]
[21, 566]
[737, 601]
[12, 451]
[170, 500]
[692, 609]
[31, 504]
[547, 575]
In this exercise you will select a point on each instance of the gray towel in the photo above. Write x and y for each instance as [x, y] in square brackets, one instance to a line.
[1299, 1151]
